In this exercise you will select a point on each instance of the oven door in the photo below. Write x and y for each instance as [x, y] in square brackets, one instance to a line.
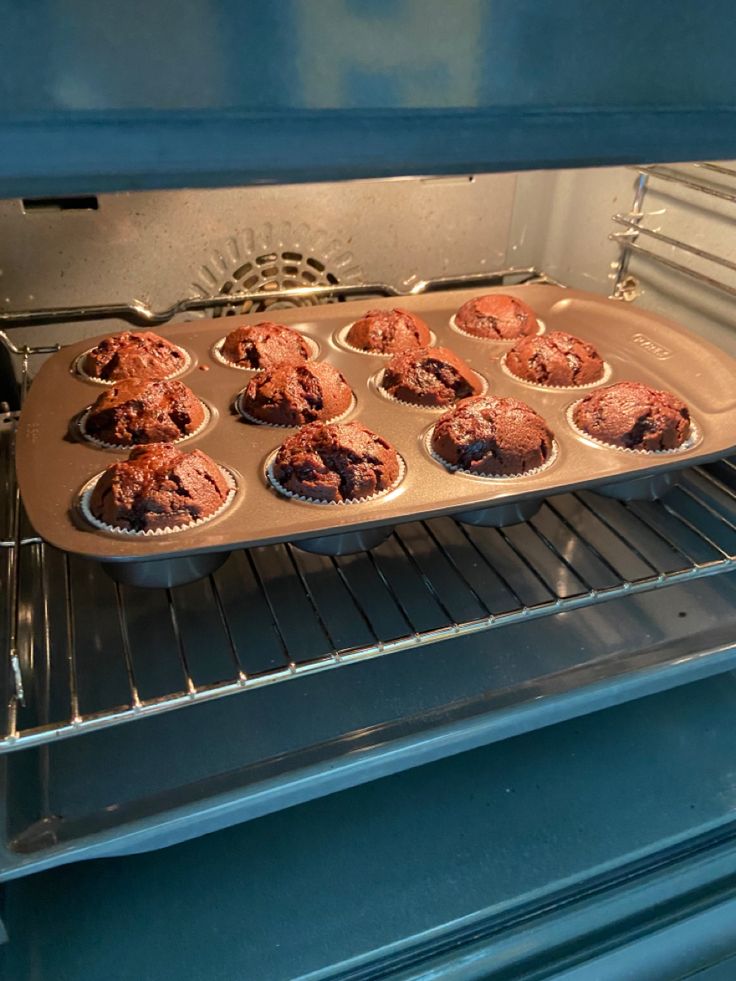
[603, 847]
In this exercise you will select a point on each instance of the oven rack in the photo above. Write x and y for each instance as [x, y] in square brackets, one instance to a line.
[92, 653]
[85, 653]
[707, 179]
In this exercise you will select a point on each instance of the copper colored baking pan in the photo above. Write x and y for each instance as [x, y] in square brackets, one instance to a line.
[53, 465]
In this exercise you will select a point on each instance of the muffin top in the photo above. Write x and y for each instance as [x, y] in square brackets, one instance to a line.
[336, 462]
[497, 317]
[431, 376]
[133, 354]
[493, 436]
[295, 394]
[388, 331]
[134, 411]
[159, 486]
[555, 358]
[634, 416]
[265, 345]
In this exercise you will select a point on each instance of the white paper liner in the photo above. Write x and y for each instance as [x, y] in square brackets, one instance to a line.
[311, 500]
[496, 341]
[605, 377]
[280, 425]
[340, 337]
[79, 370]
[378, 383]
[82, 420]
[85, 496]
[692, 440]
[455, 468]
[216, 351]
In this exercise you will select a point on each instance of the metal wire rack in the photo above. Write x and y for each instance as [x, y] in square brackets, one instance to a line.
[87, 653]
[711, 180]
[93, 653]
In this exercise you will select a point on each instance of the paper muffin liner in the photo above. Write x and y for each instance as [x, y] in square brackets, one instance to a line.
[82, 422]
[499, 342]
[216, 351]
[79, 369]
[340, 337]
[378, 383]
[605, 377]
[455, 468]
[692, 440]
[311, 500]
[85, 496]
[280, 425]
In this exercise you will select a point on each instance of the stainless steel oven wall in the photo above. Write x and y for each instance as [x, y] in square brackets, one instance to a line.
[160, 246]
[565, 223]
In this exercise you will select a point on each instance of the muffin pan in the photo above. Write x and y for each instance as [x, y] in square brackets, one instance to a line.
[53, 465]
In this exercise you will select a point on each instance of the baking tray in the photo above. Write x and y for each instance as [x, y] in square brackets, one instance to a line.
[53, 466]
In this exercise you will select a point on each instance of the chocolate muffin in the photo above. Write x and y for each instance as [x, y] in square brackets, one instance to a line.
[159, 487]
[134, 411]
[295, 394]
[556, 358]
[493, 436]
[388, 331]
[432, 376]
[264, 345]
[634, 416]
[133, 354]
[337, 462]
[497, 317]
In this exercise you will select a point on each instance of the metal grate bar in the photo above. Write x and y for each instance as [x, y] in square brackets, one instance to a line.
[585, 539]
[397, 600]
[139, 312]
[135, 698]
[627, 541]
[637, 229]
[676, 177]
[504, 581]
[629, 241]
[717, 168]
[190, 686]
[242, 677]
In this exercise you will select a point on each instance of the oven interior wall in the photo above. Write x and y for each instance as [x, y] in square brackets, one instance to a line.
[58, 801]
[164, 245]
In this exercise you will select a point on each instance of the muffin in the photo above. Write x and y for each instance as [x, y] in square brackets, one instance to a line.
[337, 462]
[388, 331]
[556, 358]
[159, 487]
[295, 394]
[431, 376]
[634, 416]
[264, 345]
[492, 436]
[496, 317]
[134, 411]
[133, 354]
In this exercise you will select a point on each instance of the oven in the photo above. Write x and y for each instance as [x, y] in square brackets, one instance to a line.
[136, 718]
[472, 750]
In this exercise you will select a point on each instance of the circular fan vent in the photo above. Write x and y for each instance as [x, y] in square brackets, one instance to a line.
[277, 271]
[274, 259]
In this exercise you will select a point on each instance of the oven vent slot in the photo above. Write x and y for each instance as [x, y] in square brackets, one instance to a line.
[85, 203]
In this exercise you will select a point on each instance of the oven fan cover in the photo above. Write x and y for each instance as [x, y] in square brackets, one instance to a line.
[274, 258]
